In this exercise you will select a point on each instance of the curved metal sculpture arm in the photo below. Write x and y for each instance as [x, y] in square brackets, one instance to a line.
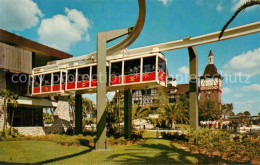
[133, 32]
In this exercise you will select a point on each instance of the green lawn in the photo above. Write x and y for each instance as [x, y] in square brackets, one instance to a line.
[154, 151]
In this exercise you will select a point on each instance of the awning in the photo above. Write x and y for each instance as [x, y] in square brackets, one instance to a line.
[25, 101]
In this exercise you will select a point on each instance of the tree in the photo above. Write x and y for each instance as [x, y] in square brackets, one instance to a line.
[87, 107]
[227, 110]
[249, 3]
[209, 110]
[240, 114]
[9, 98]
[247, 113]
[173, 112]
[140, 112]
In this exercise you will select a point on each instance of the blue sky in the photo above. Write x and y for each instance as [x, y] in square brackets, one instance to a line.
[72, 26]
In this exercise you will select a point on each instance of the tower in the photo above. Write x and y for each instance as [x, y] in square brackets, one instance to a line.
[210, 82]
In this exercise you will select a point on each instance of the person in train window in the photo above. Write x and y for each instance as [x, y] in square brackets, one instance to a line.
[46, 82]
[135, 70]
[71, 78]
[36, 84]
[85, 77]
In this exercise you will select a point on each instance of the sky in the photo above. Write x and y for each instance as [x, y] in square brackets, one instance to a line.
[72, 26]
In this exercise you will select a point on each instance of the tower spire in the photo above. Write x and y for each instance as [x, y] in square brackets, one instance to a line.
[210, 57]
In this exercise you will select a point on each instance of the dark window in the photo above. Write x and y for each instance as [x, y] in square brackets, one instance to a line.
[83, 74]
[46, 79]
[37, 81]
[72, 75]
[56, 78]
[116, 69]
[162, 65]
[132, 67]
[149, 64]
[94, 72]
[26, 116]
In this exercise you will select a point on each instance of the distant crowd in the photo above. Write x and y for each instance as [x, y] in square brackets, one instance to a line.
[224, 124]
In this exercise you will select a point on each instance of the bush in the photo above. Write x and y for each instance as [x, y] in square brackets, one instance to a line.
[174, 136]
[60, 139]
[219, 142]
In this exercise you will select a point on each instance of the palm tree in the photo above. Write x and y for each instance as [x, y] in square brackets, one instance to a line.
[170, 113]
[140, 112]
[249, 3]
[13, 101]
[5, 95]
[9, 98]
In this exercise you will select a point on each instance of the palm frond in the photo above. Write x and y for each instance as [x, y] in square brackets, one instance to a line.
[240, 9]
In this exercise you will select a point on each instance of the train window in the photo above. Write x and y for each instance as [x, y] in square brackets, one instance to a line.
[83, 74]
[162, 65]
[149, 64]
[132, 67]
[56, 78]
[37, 81]
[116, 69]
[72, 75]
[94, 72]
[46, 79]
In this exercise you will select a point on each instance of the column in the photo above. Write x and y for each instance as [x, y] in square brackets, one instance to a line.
[78, 114]
[128, 114]
[193, 94]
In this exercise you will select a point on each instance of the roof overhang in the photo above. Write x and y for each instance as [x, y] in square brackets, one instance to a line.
[27, 101]
[40, 49]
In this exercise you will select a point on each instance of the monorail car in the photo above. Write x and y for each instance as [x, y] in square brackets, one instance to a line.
[135, 72]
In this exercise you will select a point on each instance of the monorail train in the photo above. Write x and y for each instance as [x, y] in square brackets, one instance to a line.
[136, 72]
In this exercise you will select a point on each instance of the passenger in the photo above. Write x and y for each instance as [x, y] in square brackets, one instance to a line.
[36, 84]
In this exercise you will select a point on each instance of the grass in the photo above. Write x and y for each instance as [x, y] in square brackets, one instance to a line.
[149, 134]
[154, 151]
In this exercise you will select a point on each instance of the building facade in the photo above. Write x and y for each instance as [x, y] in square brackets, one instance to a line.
[211, 82]
[18, 56]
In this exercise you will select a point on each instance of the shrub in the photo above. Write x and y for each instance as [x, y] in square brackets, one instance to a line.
[60, 139]
[208, 141]
[174, 136]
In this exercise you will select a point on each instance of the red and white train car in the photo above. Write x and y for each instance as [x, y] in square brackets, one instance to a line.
[135, 72]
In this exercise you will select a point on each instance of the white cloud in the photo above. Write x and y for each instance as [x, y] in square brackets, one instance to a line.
[19, 14]
[62, 31]
[226, 90]
[165, 2]
[238, 95]
[245, 63]
[219, 7]
[251, 88]
[183, 70]
[237, 3]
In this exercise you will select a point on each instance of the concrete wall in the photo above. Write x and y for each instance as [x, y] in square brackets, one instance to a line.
[30, 131]
[213, 95]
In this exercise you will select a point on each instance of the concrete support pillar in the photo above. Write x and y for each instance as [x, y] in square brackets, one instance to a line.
[101, 141]
[128, 114]
[78, 114]
[194, 112]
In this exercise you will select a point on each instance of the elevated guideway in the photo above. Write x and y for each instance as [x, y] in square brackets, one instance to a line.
[162, 47]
